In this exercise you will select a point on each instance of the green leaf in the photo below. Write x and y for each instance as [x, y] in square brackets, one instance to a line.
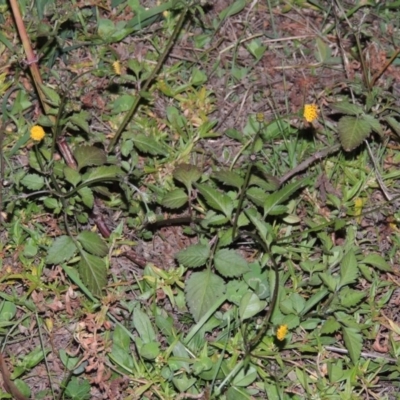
[143, 326]
[394, 124]
[349, 297]
[257, 195]
[232, 9]
[93, 272]
[330, 326]
[250, 305]
[89, 155]
[228, 263]
[93, 243]
[282, 195]
[33, 181]
[329, 281]
[344, 107]
[80, 120]
[87, 197]
[353, 342]
[352, 132]
[202, 290]
[103, 173]
[377, 261]
[374, 123]
[78, 389]
[262, 227]
[216, 200]
[348, 269]
[147, 144]
[52, 96]
[187, 174]
[72, 176]
[175, 199]
[229, 178]
[62, 249]
[194, 256]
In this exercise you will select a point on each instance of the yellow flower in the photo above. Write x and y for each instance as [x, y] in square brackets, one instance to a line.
[310, 112]
[37, 133]
[117, 67]
[281, 332]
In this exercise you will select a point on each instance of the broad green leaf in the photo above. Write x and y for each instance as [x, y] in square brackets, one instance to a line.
[143, 326]
[93, 243]
[72, 176]
[324, 51]
[86, 196]
[229, 178]
[89, 155]
[377, 261]
[330, 326]
[350, 297]
[202, 290]
[150, 350]
[103, 173]
[93, 272]
[216, 200]
[194, 256]
[374, 123]
[81, 120]
[232, 9]
[78, 389]
[282, 195]
[235, 290]
[175, 199]
[62, 249]
[187, 174]
[228, 263]
[52, 96]
[262, 227]
[33, 181]
[147, 144]
[257, 195]
[348, 269]
[120, 351]
[344, 107]
[353, 131]
[353, 342]
[329, 281]
[250, 305]
[245, 377]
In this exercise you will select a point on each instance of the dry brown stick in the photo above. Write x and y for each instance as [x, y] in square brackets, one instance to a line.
[9, 385]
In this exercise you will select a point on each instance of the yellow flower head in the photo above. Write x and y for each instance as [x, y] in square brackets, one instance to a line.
[37, 133]
[117, 67]
[310, 112]
[281, 332]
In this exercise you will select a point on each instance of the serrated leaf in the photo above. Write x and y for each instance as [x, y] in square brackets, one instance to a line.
[377, 261]
[202, 290]
[229, 178]
[216, 200]
[93, 243]
[175, 199]
[257, 195]
[350, 297]
[103, 173]
[352, 132]
[148, 144]
[187, 174]
[228, 263]
[262, 227]
[93, 272]
[344, 107]
[52, 96]
[72, 176]
[62, 249]
[348, 269]
[33, 181]
[80, 120]
[89, 155]
[282, 195]
[330, 326]
[87, 197]
[194, 256]
[329, 281]
[374, 123]
[353, 342]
